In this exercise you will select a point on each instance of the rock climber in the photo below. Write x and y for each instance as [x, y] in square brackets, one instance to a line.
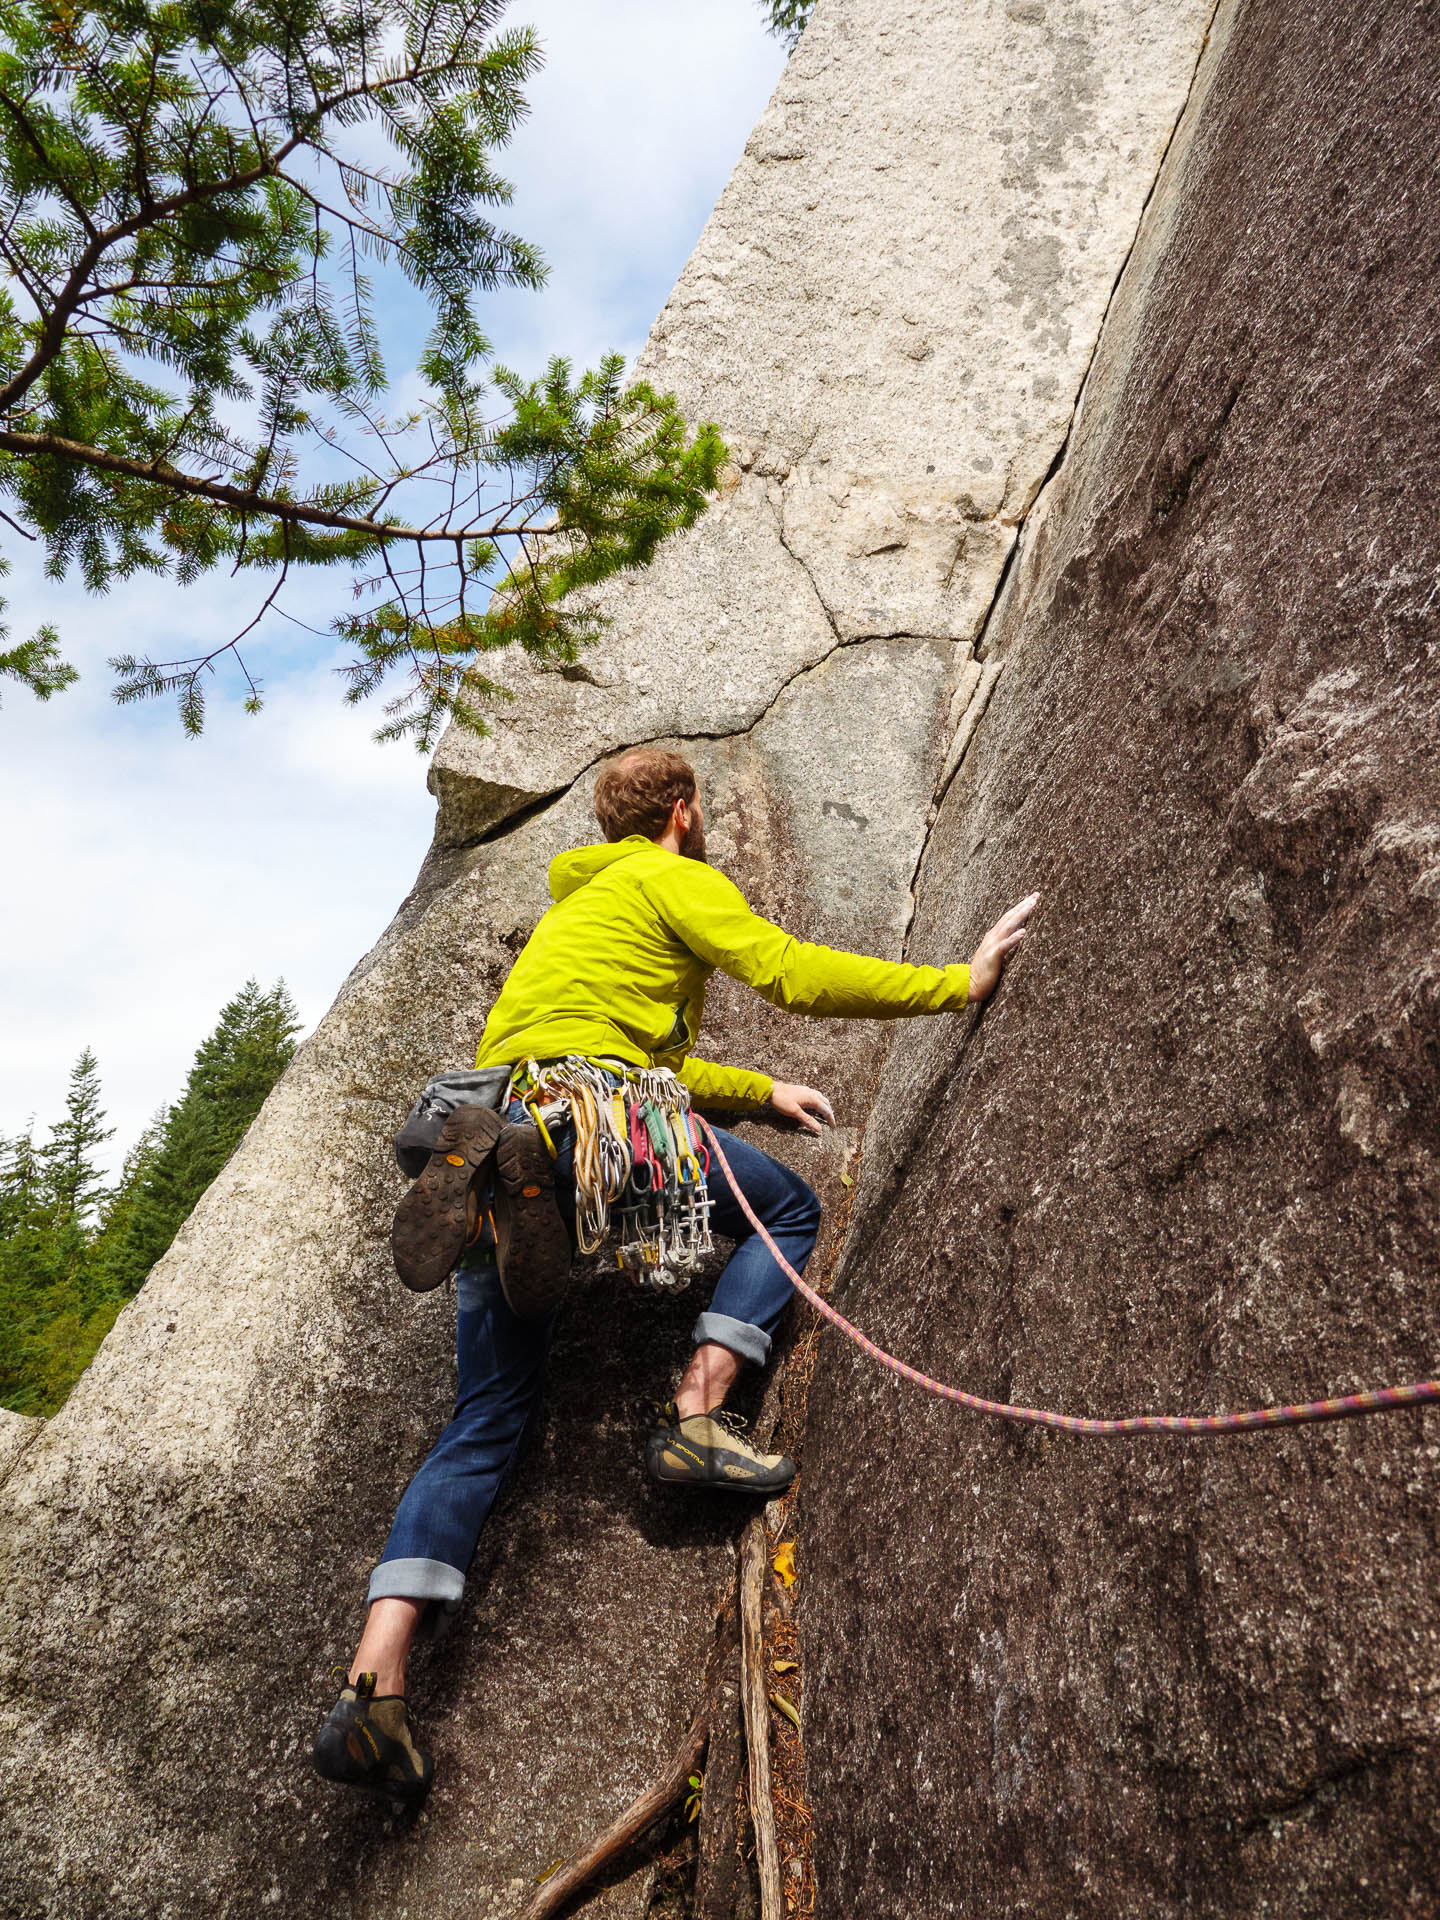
[615, 972]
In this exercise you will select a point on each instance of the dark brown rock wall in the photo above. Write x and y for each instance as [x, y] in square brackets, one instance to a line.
[1190, 1158]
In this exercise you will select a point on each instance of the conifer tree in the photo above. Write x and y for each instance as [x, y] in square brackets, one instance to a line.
[119, 1209]
[25, 1262]
[53, 1309]
[20, 1180]
[73, 1182]
[190, 364]
[71, 1251]
[234, 1070]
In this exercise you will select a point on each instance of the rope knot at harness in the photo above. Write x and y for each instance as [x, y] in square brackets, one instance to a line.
[1347, 1406]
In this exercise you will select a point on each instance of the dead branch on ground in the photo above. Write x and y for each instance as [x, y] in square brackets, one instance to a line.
[753, 1556]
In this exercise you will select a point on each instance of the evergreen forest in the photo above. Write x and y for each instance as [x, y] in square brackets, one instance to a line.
[72, 1249]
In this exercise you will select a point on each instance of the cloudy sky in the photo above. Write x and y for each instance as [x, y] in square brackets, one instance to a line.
[145, 875]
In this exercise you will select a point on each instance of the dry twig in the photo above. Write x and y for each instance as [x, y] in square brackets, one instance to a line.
[757, 1715]
[719, 1867]
[561, 1887]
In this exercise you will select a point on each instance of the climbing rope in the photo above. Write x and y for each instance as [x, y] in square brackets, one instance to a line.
[1347, 1407]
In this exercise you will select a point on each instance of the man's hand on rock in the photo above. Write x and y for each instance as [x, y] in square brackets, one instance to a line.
[803, 1104]
[996, 948]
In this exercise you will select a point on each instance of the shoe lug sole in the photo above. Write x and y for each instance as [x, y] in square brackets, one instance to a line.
[428, 1236]
[533, 1247]
[396, 1795]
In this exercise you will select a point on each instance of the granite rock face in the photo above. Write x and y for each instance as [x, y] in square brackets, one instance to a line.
[17, 1432]
[1190, 1157]
[890, 316]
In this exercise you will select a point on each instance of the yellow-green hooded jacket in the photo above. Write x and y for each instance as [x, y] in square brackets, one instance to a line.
[616, 970]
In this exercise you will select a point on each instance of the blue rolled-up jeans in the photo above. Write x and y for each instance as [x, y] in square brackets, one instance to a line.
[501, 1364]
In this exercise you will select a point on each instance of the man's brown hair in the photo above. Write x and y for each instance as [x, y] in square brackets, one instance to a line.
[637, 792]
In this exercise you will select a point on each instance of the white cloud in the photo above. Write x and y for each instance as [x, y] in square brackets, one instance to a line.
[640, 113]
[148, 875]
[145, 875]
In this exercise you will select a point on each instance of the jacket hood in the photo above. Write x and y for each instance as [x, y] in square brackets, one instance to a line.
[570, 871]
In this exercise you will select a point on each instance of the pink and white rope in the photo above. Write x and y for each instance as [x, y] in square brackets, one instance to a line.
[1347, 1406]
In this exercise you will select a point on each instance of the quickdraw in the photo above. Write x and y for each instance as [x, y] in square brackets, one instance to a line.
[640, 1169]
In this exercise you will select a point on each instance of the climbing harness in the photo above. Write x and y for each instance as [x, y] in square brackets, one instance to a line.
[640, 1170]
[1347, 1407]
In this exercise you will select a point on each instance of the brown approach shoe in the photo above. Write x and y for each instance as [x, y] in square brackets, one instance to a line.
[434, 1220]
[532, 1247]
[367, 1742]
[710, 1450]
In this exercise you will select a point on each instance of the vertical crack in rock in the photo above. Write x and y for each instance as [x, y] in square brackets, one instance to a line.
[18, 1433]
[841, 640]
[805, 568]
[967, 722]
[733, 600]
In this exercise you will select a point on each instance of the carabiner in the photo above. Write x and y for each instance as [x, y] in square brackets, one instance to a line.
[532, 1107]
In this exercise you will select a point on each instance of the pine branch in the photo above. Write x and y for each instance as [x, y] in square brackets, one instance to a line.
[168, 232]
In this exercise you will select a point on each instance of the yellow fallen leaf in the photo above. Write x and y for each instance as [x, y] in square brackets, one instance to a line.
[787, 1666]
[784, 1562]
[847, 1180]
[787, 1707]
[541, 1878]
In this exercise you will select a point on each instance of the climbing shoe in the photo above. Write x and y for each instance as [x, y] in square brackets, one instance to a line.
[367, 1743]
[440, 1212]
[532, 1247]
[710, 1450]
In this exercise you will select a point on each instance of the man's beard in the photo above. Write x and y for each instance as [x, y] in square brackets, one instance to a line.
[692, 843]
